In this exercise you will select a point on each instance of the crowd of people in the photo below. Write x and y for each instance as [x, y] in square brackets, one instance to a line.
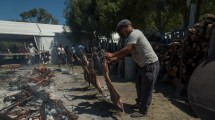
[25, 55]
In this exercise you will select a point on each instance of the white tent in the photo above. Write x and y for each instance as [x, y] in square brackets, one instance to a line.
[46, 37]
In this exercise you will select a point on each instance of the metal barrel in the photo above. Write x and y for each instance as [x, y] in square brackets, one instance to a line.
[201, 89]
[130, 69]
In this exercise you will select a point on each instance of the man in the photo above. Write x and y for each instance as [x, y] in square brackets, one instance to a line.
[147, 60]
[61, 55]
[14, 50]
[81, 50]
[32, 50]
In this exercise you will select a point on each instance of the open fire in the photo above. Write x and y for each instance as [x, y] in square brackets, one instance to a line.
[32, 101]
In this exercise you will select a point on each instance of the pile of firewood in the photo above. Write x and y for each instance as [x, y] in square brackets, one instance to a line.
[169, 57]
[179, 59]
[33, 102]
[195, 46]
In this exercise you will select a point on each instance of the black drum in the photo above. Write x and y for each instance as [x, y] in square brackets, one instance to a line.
[201, 89]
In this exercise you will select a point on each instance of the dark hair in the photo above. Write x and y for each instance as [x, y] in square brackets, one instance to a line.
[121, 26]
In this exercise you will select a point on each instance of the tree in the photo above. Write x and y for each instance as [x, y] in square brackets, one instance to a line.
[39, 15]
[91, 18]
[95, 18]
[78, 17]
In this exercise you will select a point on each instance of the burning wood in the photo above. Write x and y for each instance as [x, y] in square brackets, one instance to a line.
[32, 102]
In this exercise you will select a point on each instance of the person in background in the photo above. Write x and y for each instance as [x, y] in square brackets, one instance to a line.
[45, 57]
[61, 55]
[73, 50]
[1, 58]
[14, 50]
[32, 50]
[8, 50]
[147, 60]
[95, 59]
[81, 50]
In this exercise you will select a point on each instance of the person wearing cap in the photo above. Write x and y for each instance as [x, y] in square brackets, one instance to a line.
[146, 59]
[32, 50]
[81, 50]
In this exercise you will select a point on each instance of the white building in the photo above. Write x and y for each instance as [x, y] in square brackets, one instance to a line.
[44, 36]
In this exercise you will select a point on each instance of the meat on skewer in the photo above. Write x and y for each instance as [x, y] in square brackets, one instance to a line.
[89, 73]
[114, 95]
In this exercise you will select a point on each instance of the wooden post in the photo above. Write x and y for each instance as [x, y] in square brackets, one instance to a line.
[192, 15]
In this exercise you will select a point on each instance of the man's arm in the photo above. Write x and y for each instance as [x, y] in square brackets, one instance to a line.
[123, 52]
[35, 50]
[115, 59]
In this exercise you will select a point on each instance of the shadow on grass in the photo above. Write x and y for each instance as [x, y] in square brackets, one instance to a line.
[168, 91]
[120, 79]
[83, 97]
[77, 89]
[100, 108]
[179, 102]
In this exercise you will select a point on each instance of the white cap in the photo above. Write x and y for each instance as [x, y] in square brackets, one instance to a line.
[58, 49]
[31, 44]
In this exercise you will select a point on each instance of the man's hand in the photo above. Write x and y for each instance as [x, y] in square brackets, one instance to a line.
[112, 60]
[108, 55]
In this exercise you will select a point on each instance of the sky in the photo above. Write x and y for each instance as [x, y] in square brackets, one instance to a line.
[10, 9]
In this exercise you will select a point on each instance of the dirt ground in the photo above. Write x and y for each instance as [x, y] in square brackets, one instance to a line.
[89, 105]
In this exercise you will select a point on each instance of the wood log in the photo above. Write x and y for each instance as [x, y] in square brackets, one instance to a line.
[209, 30]
[192, 30]
[209, 17]
[66, 112]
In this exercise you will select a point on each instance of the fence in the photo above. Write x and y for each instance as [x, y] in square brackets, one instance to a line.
[172, 36]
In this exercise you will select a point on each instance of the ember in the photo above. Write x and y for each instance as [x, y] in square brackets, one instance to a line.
[33, 102]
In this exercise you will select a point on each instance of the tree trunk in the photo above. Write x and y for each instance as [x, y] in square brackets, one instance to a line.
[185, 15]
[199, 4]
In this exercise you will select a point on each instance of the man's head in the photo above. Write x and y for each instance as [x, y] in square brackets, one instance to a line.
[31, 44]
[124, 27]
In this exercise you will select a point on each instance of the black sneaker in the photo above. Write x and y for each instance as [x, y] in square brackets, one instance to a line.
[135, 106]
[138, 114]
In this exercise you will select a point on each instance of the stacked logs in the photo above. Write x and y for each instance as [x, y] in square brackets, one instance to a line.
[179, 59]
[169, 57]
[195, 46]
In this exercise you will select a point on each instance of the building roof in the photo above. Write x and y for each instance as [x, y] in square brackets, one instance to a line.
[34, 29]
